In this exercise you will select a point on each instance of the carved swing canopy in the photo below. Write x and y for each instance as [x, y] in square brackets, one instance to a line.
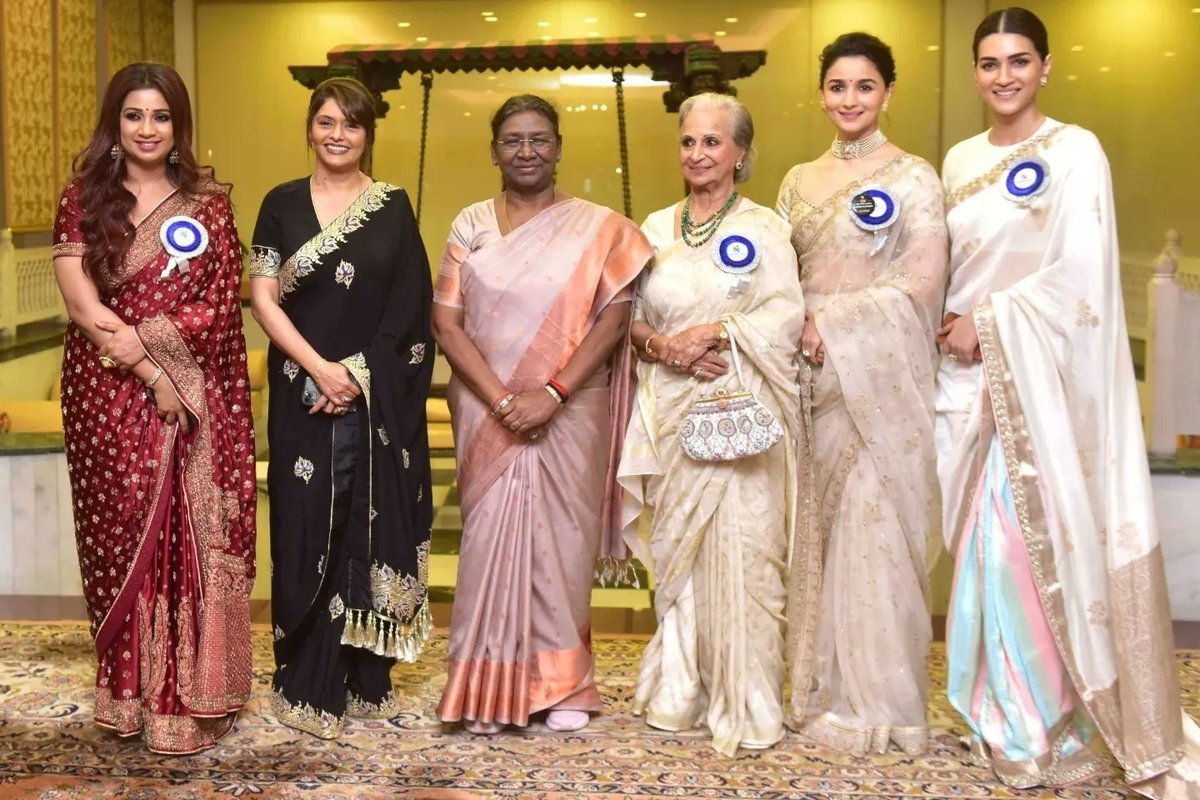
[690, 66]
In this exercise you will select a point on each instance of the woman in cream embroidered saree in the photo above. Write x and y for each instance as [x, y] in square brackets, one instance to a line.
[858, 608]
[719, 530]
[1059, 626]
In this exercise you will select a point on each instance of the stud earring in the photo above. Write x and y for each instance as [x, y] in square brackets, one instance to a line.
[115, 152]
[174, 157]
[738, 166]
[1044, 80]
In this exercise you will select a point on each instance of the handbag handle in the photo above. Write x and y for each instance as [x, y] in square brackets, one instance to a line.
[733, 350]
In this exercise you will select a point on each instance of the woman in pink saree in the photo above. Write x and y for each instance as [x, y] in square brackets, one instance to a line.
[156, 418]
[531, 303]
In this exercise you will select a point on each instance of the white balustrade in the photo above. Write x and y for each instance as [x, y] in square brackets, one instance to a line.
[28, 291]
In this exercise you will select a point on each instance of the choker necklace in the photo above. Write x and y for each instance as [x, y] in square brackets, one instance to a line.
[858, 147]
[697, 233]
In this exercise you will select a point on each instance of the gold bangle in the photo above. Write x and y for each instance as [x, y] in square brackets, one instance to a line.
[154, 378]
[646, 347]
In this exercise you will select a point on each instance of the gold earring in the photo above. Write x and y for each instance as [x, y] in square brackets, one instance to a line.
[1044, 80]
[885, 104]
[823, 108]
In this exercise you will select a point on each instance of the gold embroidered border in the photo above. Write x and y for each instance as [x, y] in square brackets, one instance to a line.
[396, 594]
[386, 708]
[1102, 705]
[303, 717]
[1026, 149]
[264, 262]
[826, 730]
[1052, 769]
[806, 571]
[356, 365]
[67, 249]
[168, 734]
[305, 260]
[389, 637]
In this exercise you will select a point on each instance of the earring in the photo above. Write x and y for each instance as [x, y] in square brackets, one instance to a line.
[823, 108]
[1044, 80]
[885, 104]
[738, 166]
[174, 157]
[116, 152]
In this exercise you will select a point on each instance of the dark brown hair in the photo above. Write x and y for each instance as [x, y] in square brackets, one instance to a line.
[1016, 20]
[355, 101]
[521, 103]
[862, 44]
[105, 201]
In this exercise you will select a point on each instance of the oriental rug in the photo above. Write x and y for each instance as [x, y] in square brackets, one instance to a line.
[51, 750]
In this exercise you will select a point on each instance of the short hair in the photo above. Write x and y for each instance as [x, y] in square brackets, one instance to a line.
[740, 122]
[355, 101]
[519, 104]
[1016, 20]
[850, 45]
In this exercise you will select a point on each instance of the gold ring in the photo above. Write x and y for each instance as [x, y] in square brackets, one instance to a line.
[696, 373]
[533, 437]
[952, 357]
[677, 363]
[805, 353]
[107, 362]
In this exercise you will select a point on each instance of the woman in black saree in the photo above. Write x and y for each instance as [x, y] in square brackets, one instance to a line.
[340, 283]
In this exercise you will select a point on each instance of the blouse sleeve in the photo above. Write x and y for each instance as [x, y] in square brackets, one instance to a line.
[68, 236]
[783, 201]
[448, 291]
[267, 245]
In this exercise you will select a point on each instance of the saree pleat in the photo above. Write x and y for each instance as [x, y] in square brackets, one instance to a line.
[533, 513]
[165, 520]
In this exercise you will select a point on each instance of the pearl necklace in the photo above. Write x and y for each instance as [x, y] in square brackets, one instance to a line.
[858, 148]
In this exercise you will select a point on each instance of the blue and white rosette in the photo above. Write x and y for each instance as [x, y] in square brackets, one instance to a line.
[183, 238]
[1027, 179]
[735, 254]
[875, 209]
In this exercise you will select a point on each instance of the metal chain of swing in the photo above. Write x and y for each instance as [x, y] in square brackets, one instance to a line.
[427, 84]
[618, 76]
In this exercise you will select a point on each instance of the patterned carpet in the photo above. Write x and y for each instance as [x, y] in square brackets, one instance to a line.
[50, 750]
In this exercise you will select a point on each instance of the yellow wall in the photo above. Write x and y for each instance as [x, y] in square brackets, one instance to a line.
[252, 113]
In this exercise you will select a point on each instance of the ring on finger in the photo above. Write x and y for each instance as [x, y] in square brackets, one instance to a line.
[697, 373]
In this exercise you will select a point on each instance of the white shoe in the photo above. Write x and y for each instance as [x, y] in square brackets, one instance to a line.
[564, 721]
[482, 728]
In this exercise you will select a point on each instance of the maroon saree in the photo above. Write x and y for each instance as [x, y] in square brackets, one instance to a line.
[164, 521]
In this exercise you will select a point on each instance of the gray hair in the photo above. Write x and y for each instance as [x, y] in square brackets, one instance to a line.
[739, 121]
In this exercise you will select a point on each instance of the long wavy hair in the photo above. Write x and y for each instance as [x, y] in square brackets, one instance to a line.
[105, 201]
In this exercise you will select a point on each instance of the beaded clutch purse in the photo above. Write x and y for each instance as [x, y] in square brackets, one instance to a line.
[728, 425]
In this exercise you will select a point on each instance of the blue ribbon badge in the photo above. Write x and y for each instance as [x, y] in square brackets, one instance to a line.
[1028, 178]
[875, 209]
[736, 254]
[184, 238]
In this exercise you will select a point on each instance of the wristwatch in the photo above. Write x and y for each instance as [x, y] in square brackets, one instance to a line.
[722, 336]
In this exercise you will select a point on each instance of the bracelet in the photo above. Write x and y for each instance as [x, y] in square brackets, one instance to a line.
[558, 398]
[646, 347]
[321, 365]
[154, 379]
[502, 403]
[560, 389]
[722, 336]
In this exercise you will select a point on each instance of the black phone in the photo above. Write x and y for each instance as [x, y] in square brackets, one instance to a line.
[311, 393]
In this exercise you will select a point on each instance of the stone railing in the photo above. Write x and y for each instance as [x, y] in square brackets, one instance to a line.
[28, 291]
[1162, 310]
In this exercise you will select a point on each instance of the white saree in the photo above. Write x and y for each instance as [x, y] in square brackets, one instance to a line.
[1059, 618]
[719, 530]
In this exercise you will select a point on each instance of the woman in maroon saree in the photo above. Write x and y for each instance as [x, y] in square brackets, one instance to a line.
[156, 418]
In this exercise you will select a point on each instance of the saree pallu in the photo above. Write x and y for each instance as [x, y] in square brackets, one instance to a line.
[858, 611]
[1059, 623]
[351, 505]
[534, 514]
[164, 520]
[719, 531]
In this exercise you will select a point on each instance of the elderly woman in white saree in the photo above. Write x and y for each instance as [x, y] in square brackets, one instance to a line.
[867, 225]
[719, 533]
[1059, 626]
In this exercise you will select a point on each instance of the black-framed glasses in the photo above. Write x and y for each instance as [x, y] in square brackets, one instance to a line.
[540, 144]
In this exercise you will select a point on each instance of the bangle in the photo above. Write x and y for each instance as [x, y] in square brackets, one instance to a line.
[646, 347]
[558, 398]
[502, 403]
[560, 389]
[154, 379]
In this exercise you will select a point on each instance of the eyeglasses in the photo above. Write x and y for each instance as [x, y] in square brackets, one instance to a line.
[539, 143]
